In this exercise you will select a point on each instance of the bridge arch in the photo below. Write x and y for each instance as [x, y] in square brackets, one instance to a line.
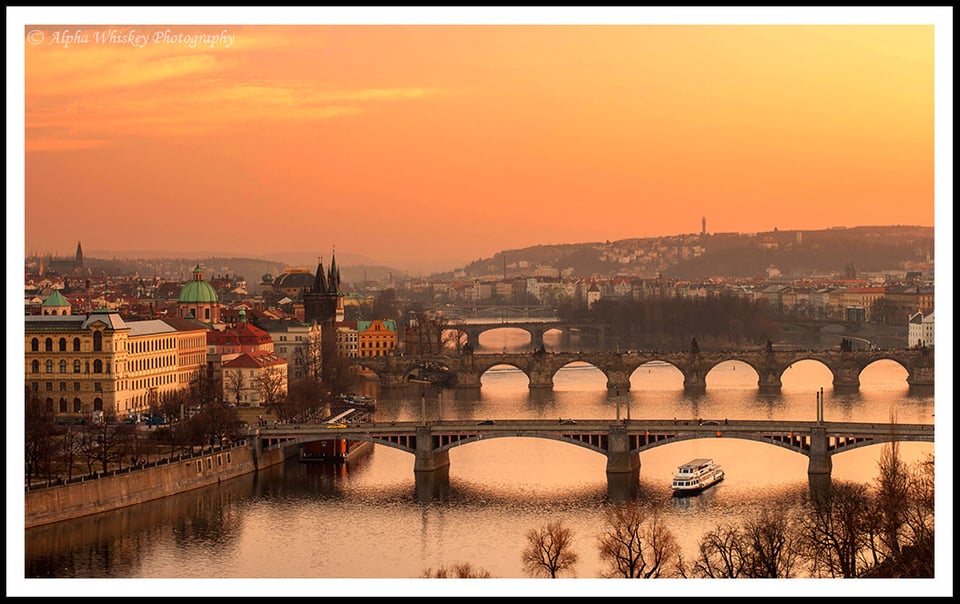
[557, 438]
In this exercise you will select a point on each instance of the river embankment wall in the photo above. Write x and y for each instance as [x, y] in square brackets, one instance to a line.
[109, 491]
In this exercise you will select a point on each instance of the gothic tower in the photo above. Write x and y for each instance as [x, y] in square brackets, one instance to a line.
[320, 305]
[79, 256]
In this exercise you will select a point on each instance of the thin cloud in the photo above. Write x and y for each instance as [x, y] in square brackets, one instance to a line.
[177, 110]
[93, 93]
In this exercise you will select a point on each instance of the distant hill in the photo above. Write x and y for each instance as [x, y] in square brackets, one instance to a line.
[692, 256]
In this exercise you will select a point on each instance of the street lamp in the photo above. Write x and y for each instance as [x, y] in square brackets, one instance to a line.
[439, 403]
[423, 398]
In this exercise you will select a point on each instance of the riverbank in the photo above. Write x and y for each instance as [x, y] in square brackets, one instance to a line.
[103, 492]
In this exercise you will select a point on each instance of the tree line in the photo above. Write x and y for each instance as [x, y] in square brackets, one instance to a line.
[194, 417]
[669, 323]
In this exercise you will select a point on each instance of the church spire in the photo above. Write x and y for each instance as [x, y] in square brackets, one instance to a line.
[333, 279]
[320, 281]
[79, 255]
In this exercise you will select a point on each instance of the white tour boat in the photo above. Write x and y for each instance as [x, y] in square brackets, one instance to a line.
[696, 475]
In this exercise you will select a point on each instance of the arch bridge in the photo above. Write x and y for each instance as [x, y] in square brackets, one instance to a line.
[535, 327]
[540, 368]
[621, 442]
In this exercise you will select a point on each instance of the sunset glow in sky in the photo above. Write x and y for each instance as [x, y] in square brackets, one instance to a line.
[427, 147]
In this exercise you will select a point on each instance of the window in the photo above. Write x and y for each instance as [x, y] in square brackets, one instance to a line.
[48, 366]
[35, 386]
[199, 466]
[76, 386]
[76, 344]
[48, 345]
[49, 387]
[48, 404]
[63, 386]
[98, 404]
[34, 345]
[97, 387]
[206, 313]
[76, 366]
[77, 405]
[63, 345]
[35, 367]
[63, 405]
[98, 366]
[98, 341]
[63, 366]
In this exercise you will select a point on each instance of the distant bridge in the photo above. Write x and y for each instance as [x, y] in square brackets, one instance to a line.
[535, 327]
[620, 441]
[846, 366]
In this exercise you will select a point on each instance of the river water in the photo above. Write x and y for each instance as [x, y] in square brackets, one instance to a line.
[292, 524]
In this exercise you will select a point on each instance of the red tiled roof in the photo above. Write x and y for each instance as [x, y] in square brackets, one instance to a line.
[256, 358]
[242, 334]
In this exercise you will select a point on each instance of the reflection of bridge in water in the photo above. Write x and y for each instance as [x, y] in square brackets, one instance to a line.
[540, 368]
[620, 441]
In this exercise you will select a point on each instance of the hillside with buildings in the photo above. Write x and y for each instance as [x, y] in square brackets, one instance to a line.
[739, 255]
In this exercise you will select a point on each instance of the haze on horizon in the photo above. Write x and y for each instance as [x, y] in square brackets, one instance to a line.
[429, 147]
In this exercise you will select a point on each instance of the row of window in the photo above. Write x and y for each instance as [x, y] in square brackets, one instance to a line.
[210, 462]
[98, 366]
[62, 344]
[63, 386]
[77, 405]
[153, 345]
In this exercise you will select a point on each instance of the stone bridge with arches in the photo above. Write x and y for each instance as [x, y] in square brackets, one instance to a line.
[471, 332]
[621, 442]
[540, 367]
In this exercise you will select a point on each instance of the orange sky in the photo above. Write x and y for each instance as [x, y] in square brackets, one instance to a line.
[426, 147]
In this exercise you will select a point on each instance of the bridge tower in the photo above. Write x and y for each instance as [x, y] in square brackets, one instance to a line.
[320, 304]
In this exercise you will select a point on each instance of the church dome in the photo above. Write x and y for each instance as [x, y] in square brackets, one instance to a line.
[197, 291]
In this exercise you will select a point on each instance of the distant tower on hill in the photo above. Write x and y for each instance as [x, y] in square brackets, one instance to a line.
[320, 305]
[79, 255]
[703, 226]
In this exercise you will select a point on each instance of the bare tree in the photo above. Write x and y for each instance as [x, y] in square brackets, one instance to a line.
[104, 444]
[71, 445]
[636, 545]
[919, 519]
[233, 385]
[215, 423]
[834, 529]
[549, 551]
[307, 396]
[272, 383]
[173, 404]
[892, 498]
[460, 570]
[309, 355]
[204, 387]
[771, 544]
[39, 437]
[453, 337]
[722, 554]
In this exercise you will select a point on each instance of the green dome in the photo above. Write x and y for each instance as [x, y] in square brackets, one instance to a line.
[197, 291]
